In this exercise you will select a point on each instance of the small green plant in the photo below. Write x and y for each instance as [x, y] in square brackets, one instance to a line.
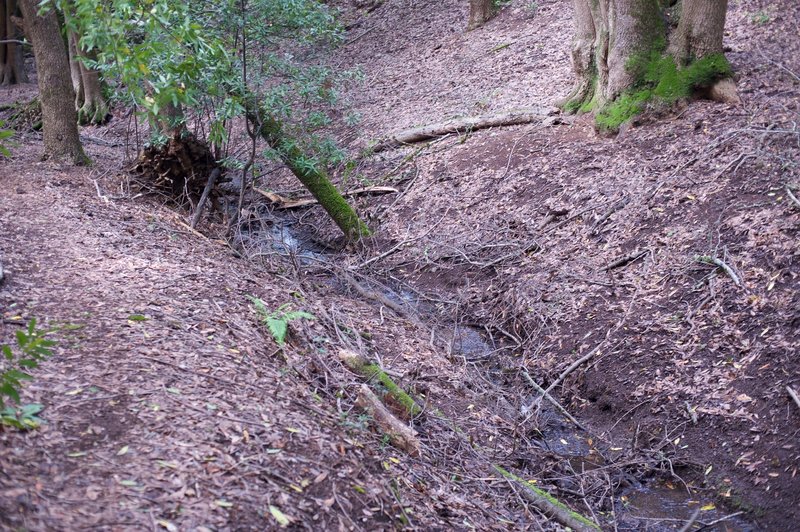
[277, 321]
[533, 8]
[31, 348]
[762, 17]
[5, 134]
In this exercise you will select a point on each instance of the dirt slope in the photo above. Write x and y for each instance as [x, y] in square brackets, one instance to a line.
[494, 263]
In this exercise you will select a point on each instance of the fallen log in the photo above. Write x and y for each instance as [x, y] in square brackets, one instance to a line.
[461, 125]
[549, 505]
[400, 435]
[373, 372]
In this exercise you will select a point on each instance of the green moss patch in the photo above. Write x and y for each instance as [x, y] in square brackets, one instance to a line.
[662, 83]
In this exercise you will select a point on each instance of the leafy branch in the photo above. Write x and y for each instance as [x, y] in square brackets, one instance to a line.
[32, 346]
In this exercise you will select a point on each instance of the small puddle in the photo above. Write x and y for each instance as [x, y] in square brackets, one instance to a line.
[278, 237]
[663, 506]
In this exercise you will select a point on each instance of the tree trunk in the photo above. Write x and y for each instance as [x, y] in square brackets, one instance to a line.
[12, 64]
[619, 44]
[480, 11]
[699, 34]
[92, 107]
[59, 118]
[314, 178]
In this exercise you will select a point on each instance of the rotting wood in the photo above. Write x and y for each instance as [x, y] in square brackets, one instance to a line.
[714, 261]
[789, 389]
[400, 435]
[198, 213]
[507, 118]
[371, 372]
[548, 504]
[286, 203]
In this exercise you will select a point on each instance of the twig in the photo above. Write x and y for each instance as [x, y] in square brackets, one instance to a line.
[794, 396]
[792, 197]
[555, 403]
[618, 206]
[198, 213]
[720, 264]
[397, 247]
[574, 365]
[717, 521]
[692, 520]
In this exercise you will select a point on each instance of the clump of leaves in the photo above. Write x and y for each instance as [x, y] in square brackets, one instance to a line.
[31, 348]
[277, 321]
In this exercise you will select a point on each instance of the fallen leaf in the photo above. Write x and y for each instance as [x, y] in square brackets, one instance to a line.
[279, 516]
[122, 451]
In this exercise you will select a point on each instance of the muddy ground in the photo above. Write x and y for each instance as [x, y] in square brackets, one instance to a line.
[506, 256]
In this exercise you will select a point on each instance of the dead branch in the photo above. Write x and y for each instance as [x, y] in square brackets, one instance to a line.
[541, 391]
[366, 293]
[198, 213]
[692, 520]
[286, 203]
[720, 264]
[627, 259]
[400, 434]
[792, 197]
[618, 206]
[574, 365]
[507, 118]
[789, 389]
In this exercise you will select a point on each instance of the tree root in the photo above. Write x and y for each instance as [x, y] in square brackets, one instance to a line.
[456, 125]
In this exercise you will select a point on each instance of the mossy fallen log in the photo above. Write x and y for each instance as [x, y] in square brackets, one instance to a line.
[373, 372]
[549, 505]
[400, 435]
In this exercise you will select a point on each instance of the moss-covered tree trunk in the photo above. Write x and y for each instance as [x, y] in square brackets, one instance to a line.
[12, 66]
[619, 46]
[59, 118]
[480, 11]
[311, 175]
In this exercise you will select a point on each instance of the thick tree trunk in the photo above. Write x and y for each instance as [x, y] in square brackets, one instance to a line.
[699, 34]
[480, 11]
[12, 65]
[59, 118]
[618, 43]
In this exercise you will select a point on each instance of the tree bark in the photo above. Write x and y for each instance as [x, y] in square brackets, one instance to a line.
[615, 39]
[480, 11]
[310, 174]
[12, 64]
[89, 101]
[59, 118]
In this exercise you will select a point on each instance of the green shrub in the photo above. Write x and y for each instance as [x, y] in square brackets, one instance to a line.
[31, 348]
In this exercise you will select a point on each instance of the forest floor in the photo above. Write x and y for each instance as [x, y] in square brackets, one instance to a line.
[508, 255]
